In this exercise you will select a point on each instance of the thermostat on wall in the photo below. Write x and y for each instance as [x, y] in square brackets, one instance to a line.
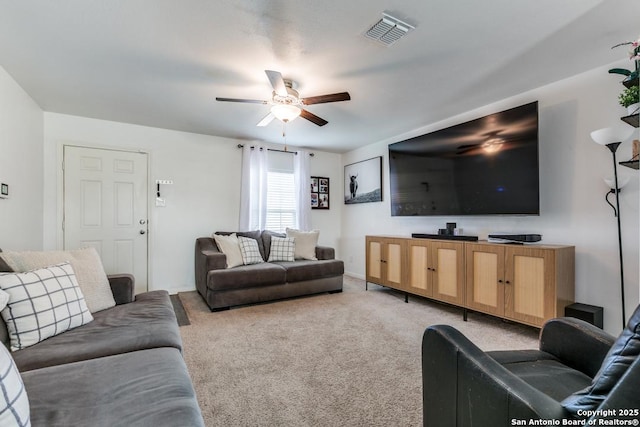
[4, 191]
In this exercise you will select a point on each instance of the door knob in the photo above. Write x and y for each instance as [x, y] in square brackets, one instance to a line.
[143, 222]
[142, 231]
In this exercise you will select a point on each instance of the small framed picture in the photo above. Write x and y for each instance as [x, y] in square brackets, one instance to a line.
[319, 192]
[4, 190]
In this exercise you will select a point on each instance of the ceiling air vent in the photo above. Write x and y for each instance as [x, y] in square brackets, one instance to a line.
[388, 30]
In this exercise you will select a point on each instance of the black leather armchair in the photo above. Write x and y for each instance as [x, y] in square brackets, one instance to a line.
[578, 372]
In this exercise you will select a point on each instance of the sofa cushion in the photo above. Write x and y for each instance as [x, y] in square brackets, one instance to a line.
[305, 243]
[14, 403]
[229, 246]
[85, 262]
[148, 322]
[300, 270]
[250, 251]
[282, 249]
[4, 267]
[43, 303]
[542, 371]
[246, 276]
[142, 388]
[625, 350]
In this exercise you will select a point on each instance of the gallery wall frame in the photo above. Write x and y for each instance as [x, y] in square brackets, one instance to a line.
[363, 181]
[319, 192]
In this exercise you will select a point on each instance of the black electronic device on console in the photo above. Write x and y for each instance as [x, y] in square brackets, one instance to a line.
[444, 237]
[515, 238]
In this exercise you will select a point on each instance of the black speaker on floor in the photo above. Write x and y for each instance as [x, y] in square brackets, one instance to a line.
[586, 312]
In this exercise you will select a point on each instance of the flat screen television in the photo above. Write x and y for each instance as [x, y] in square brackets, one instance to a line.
[487, 166]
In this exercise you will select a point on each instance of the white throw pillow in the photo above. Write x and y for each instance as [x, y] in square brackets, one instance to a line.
[249, 250]
[4, 299]
[306, 242]
[230, 246]
[86, 264]
[282, 249]
[14, 403]
[42, 303]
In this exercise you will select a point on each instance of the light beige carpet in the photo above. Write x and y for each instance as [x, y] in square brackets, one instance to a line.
[348, 359]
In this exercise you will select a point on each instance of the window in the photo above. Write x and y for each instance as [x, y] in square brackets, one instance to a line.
[281, 201]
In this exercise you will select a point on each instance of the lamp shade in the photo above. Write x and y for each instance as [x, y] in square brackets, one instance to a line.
[609, 135]
[285, 112]
[611, 182]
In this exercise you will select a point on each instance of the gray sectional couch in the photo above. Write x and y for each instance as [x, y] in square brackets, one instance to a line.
[124, 368]
[223, 287]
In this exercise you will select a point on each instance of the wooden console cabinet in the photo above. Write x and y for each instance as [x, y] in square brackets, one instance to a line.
[524, 283]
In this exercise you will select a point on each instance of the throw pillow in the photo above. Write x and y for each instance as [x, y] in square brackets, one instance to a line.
[4, 299]
[249, 250]
[229, 246]
[42, 303]
[282, 249]
[306, 242]
[622, 354]
[14, 403]
[86, 264]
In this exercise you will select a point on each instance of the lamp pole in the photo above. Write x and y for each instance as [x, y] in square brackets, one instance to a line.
[613, 147]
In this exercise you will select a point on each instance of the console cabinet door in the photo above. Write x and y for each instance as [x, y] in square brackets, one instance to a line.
[374, 248]
[447, 271]
[530, 285]
[385, 261]
[485, 278]
[418, 269]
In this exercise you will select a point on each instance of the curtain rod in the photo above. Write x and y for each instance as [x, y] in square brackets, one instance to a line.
[278, 151]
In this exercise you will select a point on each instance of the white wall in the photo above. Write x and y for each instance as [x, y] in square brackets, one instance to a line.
[204, 197]
[21, 127]
[573, 210]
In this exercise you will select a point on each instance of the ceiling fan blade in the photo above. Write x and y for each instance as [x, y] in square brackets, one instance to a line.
[249, 101]
[313, 118]
[277, 82]
[334, 97]
[266, 120]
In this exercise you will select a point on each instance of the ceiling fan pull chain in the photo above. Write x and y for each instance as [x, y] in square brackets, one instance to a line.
[284, 134]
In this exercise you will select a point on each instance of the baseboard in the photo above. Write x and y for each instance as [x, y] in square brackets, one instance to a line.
[354, 275]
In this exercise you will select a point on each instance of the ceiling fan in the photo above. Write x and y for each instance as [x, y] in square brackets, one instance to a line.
[286, 103]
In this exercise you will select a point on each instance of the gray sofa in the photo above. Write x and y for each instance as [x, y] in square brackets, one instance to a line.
[124, 368]
[223, 287]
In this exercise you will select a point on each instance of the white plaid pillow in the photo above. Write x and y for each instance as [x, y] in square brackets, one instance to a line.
[249, 250]
[282, 249]
[14, 403]
[42, 303]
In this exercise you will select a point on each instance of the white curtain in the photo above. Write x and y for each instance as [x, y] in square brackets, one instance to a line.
[253, 190]
[302, 182]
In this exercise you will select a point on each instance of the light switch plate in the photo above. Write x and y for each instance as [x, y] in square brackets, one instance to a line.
[4, 191]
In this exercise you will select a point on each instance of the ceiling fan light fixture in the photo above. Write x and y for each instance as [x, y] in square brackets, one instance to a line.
[285, 112]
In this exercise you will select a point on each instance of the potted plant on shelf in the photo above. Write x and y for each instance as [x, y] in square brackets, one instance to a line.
[629, 99]
[634, 55]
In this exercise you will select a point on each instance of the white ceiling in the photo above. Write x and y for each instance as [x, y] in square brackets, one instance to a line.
[161, 63]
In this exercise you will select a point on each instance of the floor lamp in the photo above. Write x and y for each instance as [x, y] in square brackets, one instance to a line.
[612, 138]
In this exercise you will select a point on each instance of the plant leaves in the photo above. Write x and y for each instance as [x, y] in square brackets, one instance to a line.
[622, 71]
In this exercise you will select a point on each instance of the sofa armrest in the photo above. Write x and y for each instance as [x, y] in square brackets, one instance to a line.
[325, 252]
[123, 287]
[578, 344]
[462, 385]
[207, 257]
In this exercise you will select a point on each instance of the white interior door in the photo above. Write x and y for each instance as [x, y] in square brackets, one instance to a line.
[105, 206]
